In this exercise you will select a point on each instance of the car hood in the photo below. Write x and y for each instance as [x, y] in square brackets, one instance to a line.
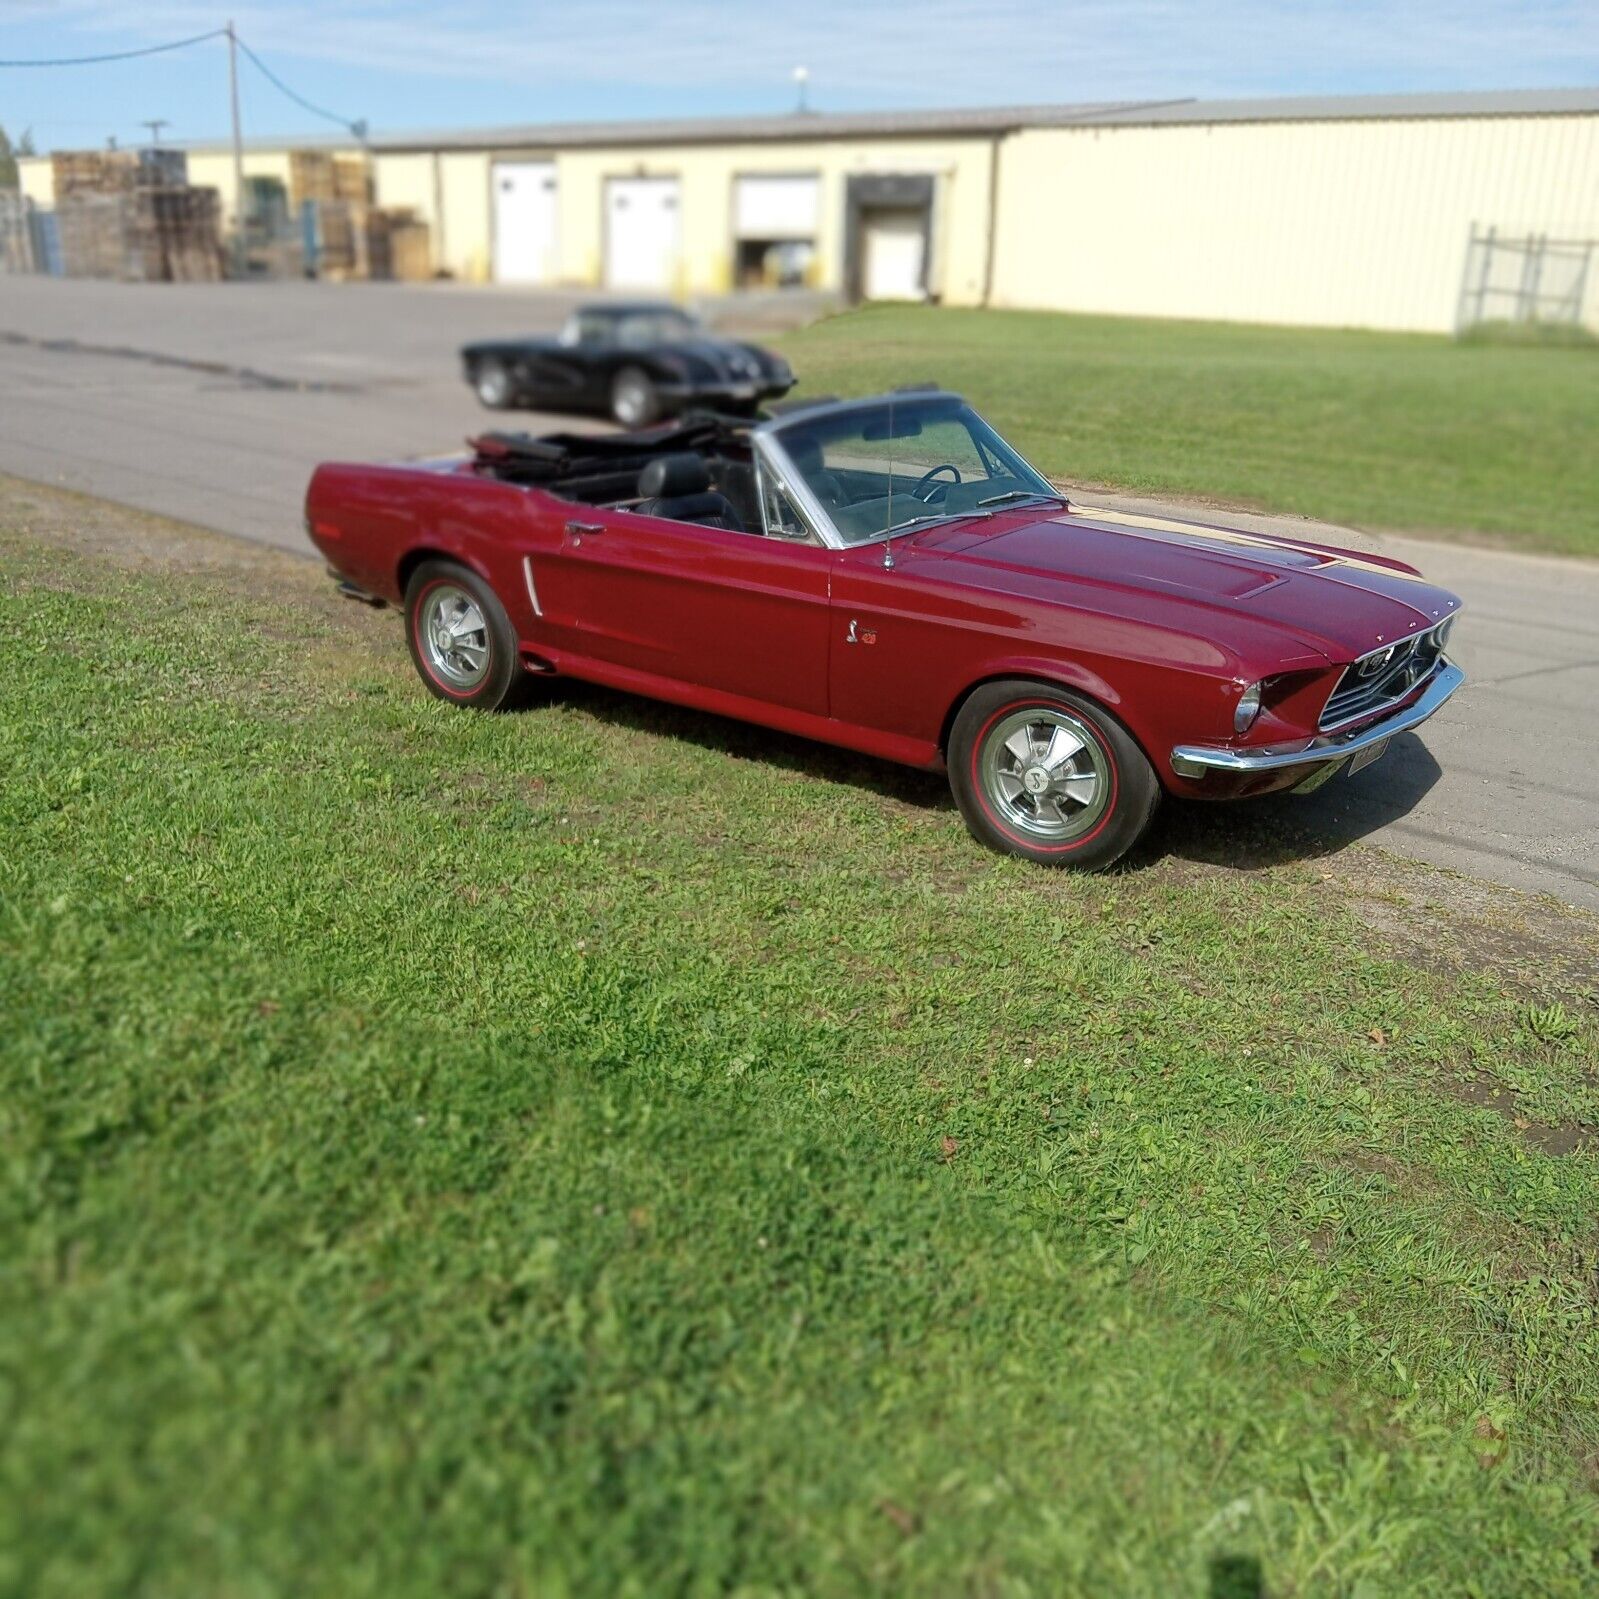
[721, 358]
[1339, 602]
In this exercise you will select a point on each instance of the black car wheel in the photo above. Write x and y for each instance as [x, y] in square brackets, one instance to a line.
[462, 642]
[1046, 774]
[492, 381]
[635, 401]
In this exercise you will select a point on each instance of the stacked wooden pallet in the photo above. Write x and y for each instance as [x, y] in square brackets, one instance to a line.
[93, 172]
[94, 234]
[399, 246]
[163, 169]
[145, 235]
[176, 234]
[329, 179]
[341, 240]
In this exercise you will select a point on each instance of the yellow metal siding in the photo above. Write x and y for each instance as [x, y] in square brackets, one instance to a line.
[1352, 223]
[37, 180]
[451, 183]
[706, 176]
[1359, 224]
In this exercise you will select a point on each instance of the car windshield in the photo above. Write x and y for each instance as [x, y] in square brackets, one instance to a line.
[635, 329]
[905, 462]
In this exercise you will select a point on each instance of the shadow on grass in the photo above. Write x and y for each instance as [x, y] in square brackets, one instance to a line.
[1247, 835]
[1235, 1577]
[1279, 828]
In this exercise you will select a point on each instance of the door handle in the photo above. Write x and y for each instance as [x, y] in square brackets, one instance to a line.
[578, 529]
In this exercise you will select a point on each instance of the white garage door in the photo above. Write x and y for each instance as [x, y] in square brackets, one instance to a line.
[776, 207]
[524, 221]
[641, 233]
[895, 246]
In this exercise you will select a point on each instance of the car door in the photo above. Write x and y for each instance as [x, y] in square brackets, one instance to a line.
[554, 378]
[734, 612]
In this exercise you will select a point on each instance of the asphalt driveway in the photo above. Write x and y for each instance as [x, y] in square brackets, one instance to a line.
[211, 404]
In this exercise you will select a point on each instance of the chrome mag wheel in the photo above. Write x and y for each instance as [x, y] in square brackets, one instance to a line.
[631, 399]
[1045, 774]
[493, 385]
[454, 635]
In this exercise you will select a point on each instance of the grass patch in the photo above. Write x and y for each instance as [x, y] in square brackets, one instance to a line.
[1537, 335]
[605, 1150]
[1382, 430]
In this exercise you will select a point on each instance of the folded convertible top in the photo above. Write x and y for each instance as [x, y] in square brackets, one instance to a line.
[549, 457]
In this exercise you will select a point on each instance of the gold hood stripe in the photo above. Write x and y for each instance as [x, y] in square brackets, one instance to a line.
[1202, 532]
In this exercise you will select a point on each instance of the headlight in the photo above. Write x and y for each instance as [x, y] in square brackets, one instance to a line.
[1247, 709]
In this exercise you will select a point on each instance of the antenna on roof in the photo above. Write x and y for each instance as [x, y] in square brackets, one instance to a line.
[888, 524]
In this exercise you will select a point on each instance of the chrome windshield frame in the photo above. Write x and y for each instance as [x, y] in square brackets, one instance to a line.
[771, 455]
[766, 439]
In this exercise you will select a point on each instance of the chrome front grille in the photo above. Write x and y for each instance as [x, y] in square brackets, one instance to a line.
[1383, 677]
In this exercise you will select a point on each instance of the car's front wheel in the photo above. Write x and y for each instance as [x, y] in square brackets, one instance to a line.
[491, 380]
[1044, 773]
[635, 401]
[462, 642]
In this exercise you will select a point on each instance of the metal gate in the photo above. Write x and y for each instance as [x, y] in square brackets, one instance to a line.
[1527, 277]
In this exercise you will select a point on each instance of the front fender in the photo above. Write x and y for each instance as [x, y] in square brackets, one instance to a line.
[1065, 674]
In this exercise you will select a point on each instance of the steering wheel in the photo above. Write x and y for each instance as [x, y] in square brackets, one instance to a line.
[926, 481]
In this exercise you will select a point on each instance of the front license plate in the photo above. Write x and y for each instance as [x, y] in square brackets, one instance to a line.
[1364, 759]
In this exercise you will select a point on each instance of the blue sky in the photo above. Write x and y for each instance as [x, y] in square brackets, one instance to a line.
[420, 64]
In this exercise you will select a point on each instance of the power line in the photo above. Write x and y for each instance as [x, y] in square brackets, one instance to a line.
[357, 128]
[119, 55]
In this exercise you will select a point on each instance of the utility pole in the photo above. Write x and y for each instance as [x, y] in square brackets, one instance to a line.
[238, 153]
[155, 125]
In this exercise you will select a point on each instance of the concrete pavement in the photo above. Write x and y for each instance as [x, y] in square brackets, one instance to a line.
[211, 403]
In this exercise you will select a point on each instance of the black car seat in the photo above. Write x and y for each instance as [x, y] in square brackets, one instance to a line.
[806, 454]
[678, 487]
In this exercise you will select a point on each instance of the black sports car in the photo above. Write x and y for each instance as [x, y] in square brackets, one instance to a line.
[635, 362]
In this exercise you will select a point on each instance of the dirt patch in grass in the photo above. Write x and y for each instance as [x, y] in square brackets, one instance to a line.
[1533, 945]
[1558, 1140]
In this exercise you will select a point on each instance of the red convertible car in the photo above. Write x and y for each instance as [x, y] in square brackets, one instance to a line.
[889, 574]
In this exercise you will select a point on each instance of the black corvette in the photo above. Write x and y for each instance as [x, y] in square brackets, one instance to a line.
[635, 362]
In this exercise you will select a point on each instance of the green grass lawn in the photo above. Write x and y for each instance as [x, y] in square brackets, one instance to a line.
[605, 1150]
[1382, 430]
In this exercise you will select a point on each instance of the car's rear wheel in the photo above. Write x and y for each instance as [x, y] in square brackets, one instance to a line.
[491, 380]
[1047, 774]
[461, 639]
[635, 401]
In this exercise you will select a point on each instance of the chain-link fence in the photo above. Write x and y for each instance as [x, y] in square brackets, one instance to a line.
[16, 233]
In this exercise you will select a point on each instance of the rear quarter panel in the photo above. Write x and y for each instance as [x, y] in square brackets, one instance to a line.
[373, 522]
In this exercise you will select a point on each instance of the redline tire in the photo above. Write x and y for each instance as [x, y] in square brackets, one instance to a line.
[461, 641]
[1049, 775]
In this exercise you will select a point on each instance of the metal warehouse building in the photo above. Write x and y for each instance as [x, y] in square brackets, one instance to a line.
[1400, 212]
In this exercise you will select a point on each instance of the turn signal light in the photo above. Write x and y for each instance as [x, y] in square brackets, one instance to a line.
[1247, 709]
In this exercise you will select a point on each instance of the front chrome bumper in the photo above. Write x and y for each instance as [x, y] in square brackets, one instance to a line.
[1197, 760]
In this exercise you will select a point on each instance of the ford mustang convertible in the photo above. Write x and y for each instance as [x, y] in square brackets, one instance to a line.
[889, 575]
[635, 362]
